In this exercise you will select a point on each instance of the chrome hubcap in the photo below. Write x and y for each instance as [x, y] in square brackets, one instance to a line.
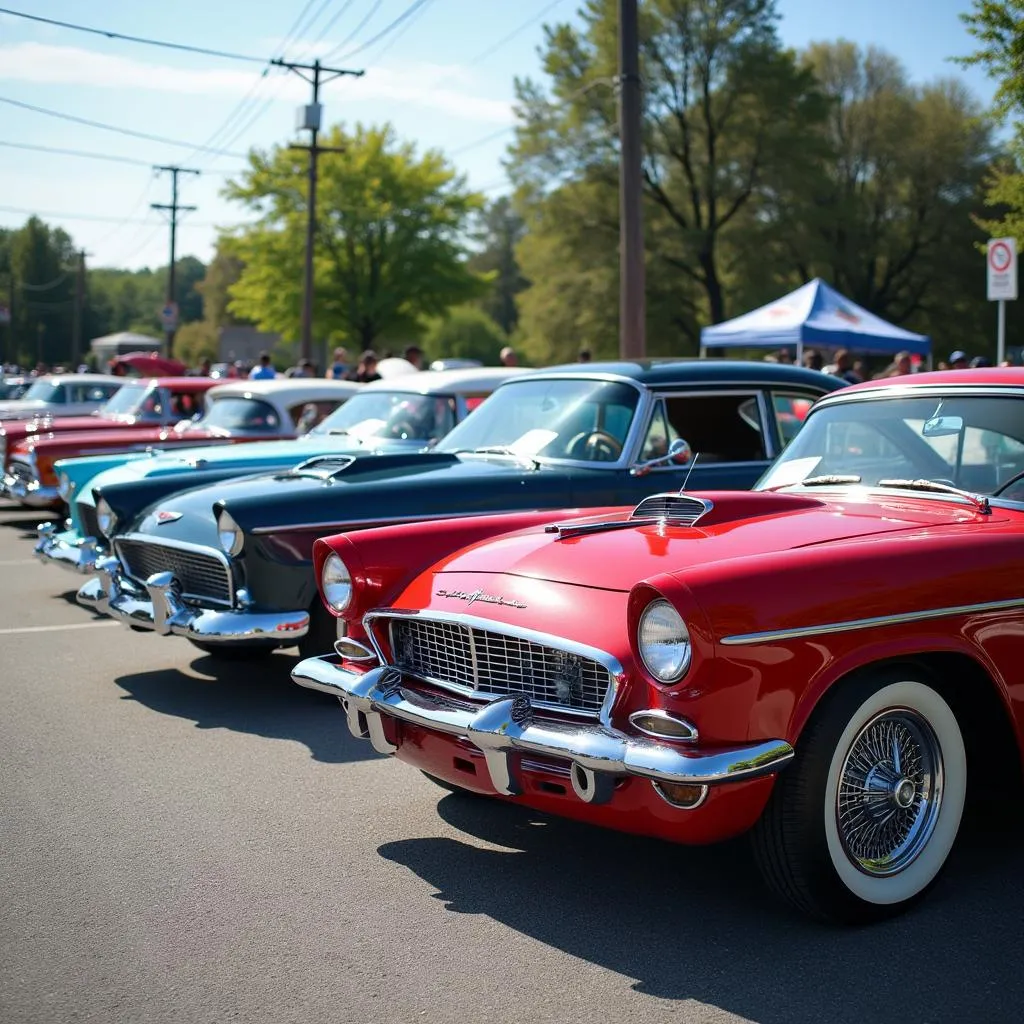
[890, 791]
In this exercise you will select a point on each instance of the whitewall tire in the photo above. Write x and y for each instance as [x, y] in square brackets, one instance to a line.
[860, 825]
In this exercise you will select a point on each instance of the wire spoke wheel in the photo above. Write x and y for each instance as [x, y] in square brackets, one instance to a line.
[890, 792]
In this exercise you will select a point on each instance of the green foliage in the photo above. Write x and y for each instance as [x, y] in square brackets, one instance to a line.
[466, 332]
[389, 249]
[998, 26]
[195, 342]
[499, 230]
[224, 270]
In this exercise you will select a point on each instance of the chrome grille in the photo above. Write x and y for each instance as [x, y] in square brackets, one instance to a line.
[22, 471]
[87, 518]
[202, 576]
[494, 664]
[678, 509]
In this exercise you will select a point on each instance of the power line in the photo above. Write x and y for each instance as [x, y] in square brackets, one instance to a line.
[227, 55]
[110, 157]
[386, 30]
[374, 8]
[114, 128]
[60, 215]
[59, 279]
[512, 35]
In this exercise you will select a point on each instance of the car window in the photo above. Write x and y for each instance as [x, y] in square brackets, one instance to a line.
[790, 413]
[473, 401]
[720, 428]
[186, 405]
[47, 391]
[247, 415]
[306, 415]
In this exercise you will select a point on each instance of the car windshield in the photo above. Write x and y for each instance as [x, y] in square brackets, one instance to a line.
[134, 400]
[392, 415]
[238, 414]
[974, 443]
[554, 419]
[46, 391]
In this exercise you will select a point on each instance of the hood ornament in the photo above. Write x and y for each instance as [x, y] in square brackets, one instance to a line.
[164, 516]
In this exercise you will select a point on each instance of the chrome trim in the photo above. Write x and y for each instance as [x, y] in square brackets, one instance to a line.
[669, 717]
[599, 753]
[367, 523]
[798, 632]
[181, 545]
[544, 768]
[656, 786]
[611, 664]
[353, 650]
[157, 606]
[31, 494]
[78, 555]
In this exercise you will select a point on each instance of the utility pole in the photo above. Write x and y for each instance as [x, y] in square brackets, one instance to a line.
[79, 320]
[632, 342]
[309, 120]
[173, 208]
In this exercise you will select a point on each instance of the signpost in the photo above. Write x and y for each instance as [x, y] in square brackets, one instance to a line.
[169, 317]
[1001, 261]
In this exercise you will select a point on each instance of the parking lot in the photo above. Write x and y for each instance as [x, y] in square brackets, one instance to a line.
[186, 841]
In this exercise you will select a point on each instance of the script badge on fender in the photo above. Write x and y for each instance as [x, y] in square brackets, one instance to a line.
[164, 516]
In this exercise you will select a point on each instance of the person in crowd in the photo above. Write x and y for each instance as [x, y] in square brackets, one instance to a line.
[414, 355]
[899, 366]
[958, 360]
[304, 368]
[844, 368]
[366, 371]
[813, 360]
[508, 356]
[784, 356]
[338, 370]
[584, 355]
[263, 370]
[204, 369]
[978, 362]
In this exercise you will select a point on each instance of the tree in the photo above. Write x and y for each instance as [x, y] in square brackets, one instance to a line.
[224, 270]
[466, 332]
[195, 342]
[389, 249]
[728, 115]
[498, 231]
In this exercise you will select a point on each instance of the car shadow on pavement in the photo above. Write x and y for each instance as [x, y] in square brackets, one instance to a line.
[253, 696]
[695, 922]
[71, 597]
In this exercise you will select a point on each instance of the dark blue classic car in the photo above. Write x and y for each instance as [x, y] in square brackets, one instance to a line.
[228, 566]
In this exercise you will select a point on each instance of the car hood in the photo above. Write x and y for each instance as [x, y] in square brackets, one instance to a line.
[741, 525]
[369, 489]
[81, 442]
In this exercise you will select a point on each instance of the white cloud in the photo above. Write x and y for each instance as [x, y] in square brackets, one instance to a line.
[416, 84]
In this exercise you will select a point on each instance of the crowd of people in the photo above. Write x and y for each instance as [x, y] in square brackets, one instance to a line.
[853, 371]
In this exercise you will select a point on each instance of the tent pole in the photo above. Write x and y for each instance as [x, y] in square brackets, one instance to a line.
[800, 351]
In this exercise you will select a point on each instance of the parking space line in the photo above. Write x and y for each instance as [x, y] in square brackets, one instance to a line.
[58, 629]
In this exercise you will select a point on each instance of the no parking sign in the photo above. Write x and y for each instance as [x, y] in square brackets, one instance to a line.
[1001, 261]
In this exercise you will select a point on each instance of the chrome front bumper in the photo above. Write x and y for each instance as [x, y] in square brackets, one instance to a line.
[33, 494]
[598, 754]
[68, 550]
[157, 606]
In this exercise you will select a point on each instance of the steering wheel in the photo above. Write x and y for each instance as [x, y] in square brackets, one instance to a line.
[595, 445]
[1015, 479]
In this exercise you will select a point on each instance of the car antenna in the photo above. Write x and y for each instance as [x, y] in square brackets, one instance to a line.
[693, 462]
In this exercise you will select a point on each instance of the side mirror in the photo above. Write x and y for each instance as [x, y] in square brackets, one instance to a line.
[942, 426]
[679, 453]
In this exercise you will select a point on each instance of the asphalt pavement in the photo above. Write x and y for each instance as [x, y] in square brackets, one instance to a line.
[184, 841]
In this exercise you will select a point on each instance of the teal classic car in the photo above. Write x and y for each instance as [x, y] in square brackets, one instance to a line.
[407, 413]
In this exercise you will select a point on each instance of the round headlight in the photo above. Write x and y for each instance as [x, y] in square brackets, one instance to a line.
[663, 641]
[230, 534]
[65, 488]
[105, 518]
[336, 583]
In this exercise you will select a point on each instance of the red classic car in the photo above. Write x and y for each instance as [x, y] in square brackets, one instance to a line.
[202, 410]
[823, 662]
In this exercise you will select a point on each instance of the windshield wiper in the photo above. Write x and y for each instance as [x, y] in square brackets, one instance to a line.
[336, 432]
[829, 480]
[980, 500]
[504, 449]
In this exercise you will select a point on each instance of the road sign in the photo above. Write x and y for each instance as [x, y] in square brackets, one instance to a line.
[169, 316]
[1002, 268]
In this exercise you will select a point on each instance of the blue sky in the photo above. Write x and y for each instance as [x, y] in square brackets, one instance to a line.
[436, 81]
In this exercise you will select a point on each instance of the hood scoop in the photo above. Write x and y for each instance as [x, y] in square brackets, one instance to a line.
[323, 467]
[668, 509]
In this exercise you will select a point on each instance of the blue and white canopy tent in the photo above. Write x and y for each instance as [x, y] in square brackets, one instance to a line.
[814, 316]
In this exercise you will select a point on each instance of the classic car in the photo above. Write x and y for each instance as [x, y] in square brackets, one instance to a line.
[208, 413]
[821, 662]
[229, 566]
[407, 414]
[67, 394]
[134, 405]
[14, 387]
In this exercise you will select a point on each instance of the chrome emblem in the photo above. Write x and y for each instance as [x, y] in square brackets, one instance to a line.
[472, 596]
[389, 683]
[165, 516]
[568, 678]
[521, 711]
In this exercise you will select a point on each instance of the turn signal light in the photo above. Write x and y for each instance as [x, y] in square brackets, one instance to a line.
[680, 794]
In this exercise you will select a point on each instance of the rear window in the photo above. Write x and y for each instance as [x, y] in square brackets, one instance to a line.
[248, 415]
